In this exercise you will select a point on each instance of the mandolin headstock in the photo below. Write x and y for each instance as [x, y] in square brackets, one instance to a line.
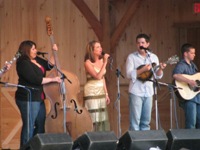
[172, 60]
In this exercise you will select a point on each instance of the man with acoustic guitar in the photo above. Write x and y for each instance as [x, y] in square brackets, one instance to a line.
[139, 64]
[183, 73]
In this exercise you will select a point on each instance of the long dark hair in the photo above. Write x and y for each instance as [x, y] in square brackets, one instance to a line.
[89, 51]
[24, 50]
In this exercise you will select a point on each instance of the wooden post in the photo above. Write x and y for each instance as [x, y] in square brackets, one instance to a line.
[110, 75]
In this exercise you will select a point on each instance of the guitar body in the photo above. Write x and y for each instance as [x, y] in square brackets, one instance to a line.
[187, 93]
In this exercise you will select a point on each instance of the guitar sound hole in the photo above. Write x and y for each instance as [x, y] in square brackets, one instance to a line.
[197, 87]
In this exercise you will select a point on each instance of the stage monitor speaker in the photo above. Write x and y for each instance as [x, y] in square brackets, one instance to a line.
[102, 140]
[49, 141]
[183, 139]
[143, 140]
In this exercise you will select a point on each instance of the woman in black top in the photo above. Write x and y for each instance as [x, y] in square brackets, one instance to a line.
[31, 71]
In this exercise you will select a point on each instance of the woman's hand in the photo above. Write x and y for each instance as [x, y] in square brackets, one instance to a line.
[107, 99]
[56, 79]
[105, 57]
[55, 48]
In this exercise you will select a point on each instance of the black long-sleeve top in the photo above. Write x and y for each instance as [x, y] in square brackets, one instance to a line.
[31, 75]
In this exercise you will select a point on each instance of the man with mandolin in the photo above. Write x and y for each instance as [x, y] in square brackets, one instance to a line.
[185, 73]
[141, 91]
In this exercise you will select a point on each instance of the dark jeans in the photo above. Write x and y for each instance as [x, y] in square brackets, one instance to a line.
[34, 122]
[192, 114]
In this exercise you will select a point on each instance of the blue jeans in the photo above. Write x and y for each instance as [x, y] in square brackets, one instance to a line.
[140, 112]
[192, 114]
[36, 119]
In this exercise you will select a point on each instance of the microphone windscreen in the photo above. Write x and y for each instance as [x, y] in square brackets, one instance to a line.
[102, 53]
[141, 47]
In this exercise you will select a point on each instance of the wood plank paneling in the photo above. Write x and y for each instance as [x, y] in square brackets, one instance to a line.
[25, 19]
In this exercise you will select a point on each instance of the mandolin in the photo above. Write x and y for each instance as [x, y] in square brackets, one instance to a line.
[145, 76]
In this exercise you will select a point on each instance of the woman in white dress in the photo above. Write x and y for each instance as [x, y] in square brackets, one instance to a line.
[95, 91]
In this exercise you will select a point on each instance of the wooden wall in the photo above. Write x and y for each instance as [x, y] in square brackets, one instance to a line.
[25, 19]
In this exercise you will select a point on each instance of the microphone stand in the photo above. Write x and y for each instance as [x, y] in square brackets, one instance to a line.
[172, 97]
[6, 84]
[117, 102]
[28, 89]
[63, 92]
[63, 76]
[155, 85]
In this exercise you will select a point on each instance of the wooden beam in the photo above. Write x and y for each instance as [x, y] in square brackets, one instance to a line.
[105, 21]
[90, 17]
[124, 22]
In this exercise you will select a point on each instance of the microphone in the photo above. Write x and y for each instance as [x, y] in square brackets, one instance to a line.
[41, 53]
[141, 47]
[109, 58]
[103, 53]
[146, 49]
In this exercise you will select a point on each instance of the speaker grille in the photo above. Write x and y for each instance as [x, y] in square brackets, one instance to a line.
[49, 141]
[96, 141]
[183, 139]
[143, 140]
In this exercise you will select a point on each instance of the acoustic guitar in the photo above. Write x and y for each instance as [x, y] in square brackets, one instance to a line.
[186, 91]
[145, 76]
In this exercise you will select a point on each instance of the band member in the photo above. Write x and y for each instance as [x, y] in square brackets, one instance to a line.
[187, 66]
[140, 93]
[31, 71]
[95, 90]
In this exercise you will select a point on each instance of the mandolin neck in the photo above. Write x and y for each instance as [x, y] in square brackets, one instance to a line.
[166, 62]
